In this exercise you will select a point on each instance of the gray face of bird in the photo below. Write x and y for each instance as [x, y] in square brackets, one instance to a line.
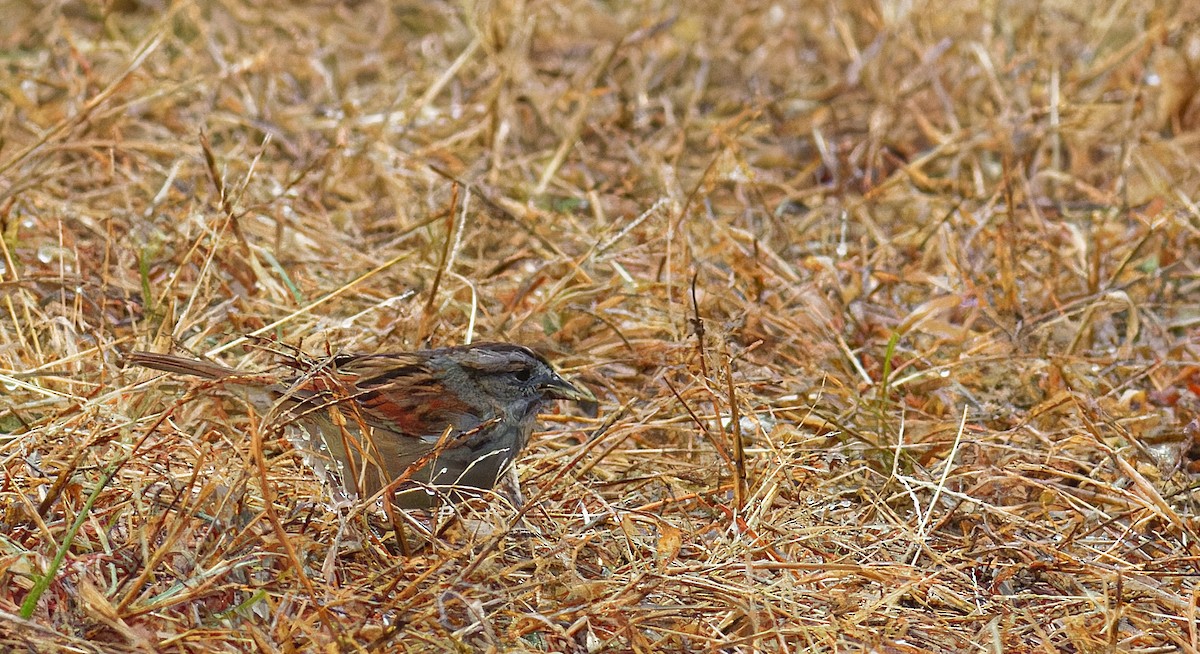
[519, 380]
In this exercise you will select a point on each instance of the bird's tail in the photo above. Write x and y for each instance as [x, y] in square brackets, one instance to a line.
[180, 365]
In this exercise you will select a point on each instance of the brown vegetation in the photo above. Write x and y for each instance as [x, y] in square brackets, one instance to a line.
[891, 309]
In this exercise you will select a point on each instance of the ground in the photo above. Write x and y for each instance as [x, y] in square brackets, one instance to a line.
[892, 310]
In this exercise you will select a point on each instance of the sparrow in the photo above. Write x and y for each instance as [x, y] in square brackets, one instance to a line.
[434, 425]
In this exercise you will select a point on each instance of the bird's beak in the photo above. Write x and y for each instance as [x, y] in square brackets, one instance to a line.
[558, 388]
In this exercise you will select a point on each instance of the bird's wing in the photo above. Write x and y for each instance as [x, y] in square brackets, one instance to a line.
[396, 393]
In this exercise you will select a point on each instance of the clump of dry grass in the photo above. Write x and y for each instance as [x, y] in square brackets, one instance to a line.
[892, 314]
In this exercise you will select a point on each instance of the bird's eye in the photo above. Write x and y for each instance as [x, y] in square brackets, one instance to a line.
[524, 374]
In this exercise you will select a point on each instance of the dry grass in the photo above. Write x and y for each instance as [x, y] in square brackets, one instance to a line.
[944, 260]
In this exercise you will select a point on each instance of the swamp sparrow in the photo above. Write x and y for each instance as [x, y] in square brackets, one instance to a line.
[437, 422]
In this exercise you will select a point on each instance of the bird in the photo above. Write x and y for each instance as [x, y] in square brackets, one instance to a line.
[433, 425]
